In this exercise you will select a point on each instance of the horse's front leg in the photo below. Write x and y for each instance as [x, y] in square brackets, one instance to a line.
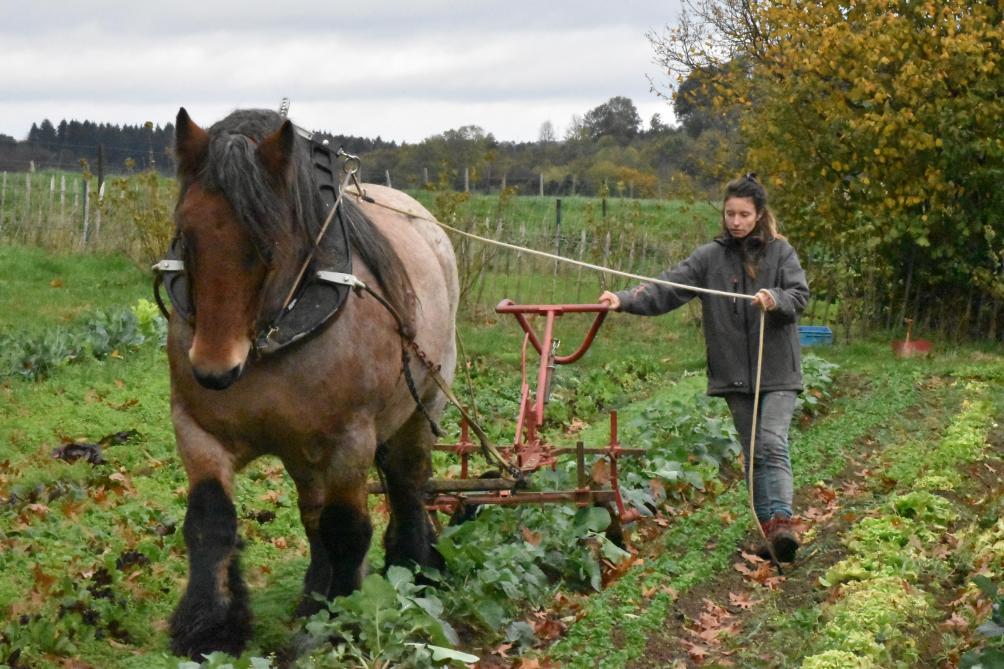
[344, 523]
[213, 613]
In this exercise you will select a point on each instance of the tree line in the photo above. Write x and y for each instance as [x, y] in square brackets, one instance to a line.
[609, 150]
[70, 145]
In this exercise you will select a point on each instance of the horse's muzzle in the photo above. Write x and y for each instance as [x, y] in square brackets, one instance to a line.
[220, 381]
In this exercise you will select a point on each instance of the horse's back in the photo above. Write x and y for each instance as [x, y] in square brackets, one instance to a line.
[417, 238]
[404, 231]
[385, 212]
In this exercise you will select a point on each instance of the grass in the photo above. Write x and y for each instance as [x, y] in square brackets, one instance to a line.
[93, 553]
[700, 547]
[93, 557]
[39, 289]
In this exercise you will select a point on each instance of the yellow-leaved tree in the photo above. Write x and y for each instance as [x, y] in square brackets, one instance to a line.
[879, 127]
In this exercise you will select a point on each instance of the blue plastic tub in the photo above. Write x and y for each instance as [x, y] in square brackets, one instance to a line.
[815, 335]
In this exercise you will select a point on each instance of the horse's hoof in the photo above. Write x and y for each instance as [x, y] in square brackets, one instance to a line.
[309, 605]
[200, 630]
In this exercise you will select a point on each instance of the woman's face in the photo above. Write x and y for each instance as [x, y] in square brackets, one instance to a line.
[740, 216]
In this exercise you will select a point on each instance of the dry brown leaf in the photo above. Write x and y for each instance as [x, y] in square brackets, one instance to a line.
[530, 537]
[743, 600]
[955, 623]
[697, 652]
[600, 473]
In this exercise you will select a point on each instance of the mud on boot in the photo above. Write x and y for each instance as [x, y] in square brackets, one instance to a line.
[783, 537]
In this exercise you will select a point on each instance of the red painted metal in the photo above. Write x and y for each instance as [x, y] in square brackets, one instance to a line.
[529, 452]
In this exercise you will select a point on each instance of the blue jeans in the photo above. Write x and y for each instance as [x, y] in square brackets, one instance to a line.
[772, 479]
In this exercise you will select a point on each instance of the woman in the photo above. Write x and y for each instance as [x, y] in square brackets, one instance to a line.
[751, 258]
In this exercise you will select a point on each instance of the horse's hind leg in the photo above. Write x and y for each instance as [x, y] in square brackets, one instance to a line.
[213, 613]
[406, 464]
[317, 582]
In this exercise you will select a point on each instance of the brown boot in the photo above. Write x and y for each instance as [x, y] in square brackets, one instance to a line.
[783, 537]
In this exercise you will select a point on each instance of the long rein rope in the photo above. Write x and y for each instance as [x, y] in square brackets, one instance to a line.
[361, 194]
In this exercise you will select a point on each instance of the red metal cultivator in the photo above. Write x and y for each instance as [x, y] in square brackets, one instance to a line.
[529, 452]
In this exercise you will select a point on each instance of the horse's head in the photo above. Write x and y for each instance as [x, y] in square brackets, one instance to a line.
[234, 218]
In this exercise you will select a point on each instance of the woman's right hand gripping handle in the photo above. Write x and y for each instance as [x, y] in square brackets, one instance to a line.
[610, 299]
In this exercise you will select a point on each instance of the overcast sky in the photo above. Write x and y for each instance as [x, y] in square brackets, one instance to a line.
[403, 70]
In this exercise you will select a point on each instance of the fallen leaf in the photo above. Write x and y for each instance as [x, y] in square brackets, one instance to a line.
[850, 489]
[697, 652]
[743, 600]
[600, 473]
[549, 629]
[43, 582]
[531, 537]
[955, 623]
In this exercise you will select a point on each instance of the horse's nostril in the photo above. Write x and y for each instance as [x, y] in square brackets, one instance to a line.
[218, 381]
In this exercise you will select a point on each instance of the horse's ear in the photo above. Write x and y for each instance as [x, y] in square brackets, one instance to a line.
[276, 151]
[190, 143]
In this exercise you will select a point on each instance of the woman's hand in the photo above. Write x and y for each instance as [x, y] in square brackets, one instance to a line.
[610, 299]
[764, 300]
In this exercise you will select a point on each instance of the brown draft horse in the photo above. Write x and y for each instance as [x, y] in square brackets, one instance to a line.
[247, 214]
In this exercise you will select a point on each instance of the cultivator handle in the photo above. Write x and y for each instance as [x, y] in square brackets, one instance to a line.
[551, 311]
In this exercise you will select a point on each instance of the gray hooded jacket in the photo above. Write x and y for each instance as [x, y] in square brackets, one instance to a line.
[731, 325]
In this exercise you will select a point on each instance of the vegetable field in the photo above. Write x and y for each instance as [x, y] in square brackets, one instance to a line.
[898, 466]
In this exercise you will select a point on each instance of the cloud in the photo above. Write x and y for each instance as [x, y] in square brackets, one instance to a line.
[402, 70]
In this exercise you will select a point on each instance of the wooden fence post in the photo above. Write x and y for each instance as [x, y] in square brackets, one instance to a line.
[97, 217]
[517, 295]
[3, 200]
[62, 199]
[606, 258]
[27, 200]
[83, 183]
[467, 179]
[630, 266]
[578, 275]
[494, 262]
[542, 184]
[101, 164]
[557, 245]
[52, 200]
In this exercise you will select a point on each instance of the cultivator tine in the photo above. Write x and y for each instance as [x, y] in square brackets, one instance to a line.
[529, 452]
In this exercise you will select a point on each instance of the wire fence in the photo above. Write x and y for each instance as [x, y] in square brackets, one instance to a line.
[69, 212]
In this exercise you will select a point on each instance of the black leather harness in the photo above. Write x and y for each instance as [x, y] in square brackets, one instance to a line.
[319, 295]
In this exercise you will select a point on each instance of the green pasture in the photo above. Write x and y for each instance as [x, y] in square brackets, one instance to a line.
[92, 554]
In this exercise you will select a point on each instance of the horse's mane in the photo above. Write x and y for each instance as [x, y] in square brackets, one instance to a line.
[231, 167]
